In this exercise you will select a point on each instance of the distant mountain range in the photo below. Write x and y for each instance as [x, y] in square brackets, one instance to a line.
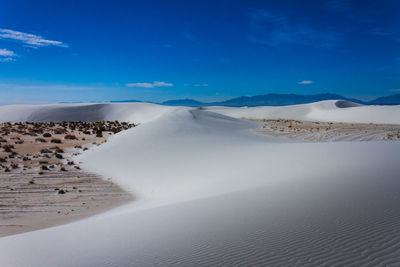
[282, 100]
[386, 100]
[275, 100]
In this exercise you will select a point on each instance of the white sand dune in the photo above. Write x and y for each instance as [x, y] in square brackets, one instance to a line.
[139, 112]
[212, 192]
[329, 111]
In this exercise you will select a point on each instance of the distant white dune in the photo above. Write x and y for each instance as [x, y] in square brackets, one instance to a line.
[212, 192]
[140, 112]
[330, 110]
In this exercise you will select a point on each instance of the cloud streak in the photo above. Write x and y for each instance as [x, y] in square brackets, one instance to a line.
[275, 29]
[7, 55]
[28, 39]
[150, 85]
[31, 86]
[305, 82]
[197, 84]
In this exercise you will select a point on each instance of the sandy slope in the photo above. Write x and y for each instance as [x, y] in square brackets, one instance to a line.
[212, 192]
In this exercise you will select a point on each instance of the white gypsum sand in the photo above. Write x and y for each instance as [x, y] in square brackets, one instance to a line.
[210, 191]
[325, 111]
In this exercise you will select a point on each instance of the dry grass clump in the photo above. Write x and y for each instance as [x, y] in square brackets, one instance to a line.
[56, 141]
[70, 137]
[8, 148]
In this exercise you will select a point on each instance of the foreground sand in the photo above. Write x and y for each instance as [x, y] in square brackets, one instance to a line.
[40, 184]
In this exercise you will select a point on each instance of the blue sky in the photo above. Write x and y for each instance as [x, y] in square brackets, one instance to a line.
[53, 51]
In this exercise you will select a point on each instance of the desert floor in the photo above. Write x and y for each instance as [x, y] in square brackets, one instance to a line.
[329, 131]
[40, 186]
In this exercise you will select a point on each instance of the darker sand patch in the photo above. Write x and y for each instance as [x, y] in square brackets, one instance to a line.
[41, 185]
[329, 131]
[53, 198]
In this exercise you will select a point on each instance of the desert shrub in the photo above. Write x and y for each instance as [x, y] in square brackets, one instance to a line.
[8, 148]
[59, 156]
[70, 137]
[45, 150]
[56, 140]
[47, 135]
[60, 131]
[41, 140]
[57, 149]
[116, 129]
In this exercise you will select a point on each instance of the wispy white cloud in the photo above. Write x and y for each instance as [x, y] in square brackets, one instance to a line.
[143, 85]
[196, 84]
[150, 85]
[393, 34]
[28, 39]
[305, 82]
[340, 5]
[189, 36]
[394, 90]
[7, 59]
[224, 59]
[275, 29]
[7, 55]
[49, 87]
